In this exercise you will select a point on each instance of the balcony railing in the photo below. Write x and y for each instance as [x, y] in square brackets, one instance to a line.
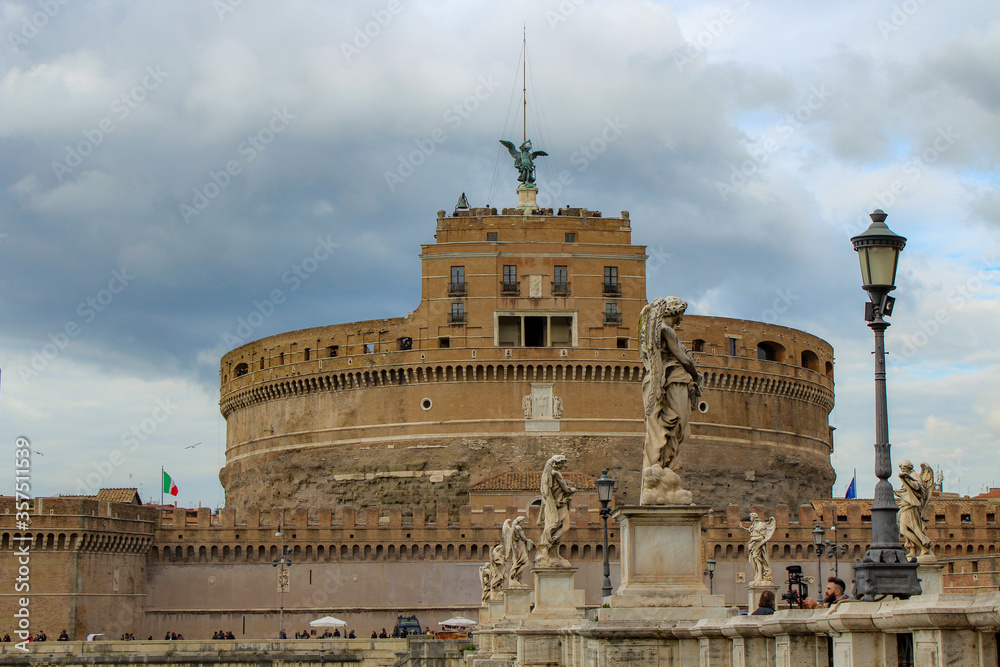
[560, 289]
[612, 289]
[612, 318]
[456, 318]
[456, 289]
[510, 289]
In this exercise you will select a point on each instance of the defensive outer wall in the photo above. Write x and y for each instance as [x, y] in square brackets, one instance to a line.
[114, 567]
[523, 345]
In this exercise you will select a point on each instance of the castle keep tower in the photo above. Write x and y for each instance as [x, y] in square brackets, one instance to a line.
[523, 345]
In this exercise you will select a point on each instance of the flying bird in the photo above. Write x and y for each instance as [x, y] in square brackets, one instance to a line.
[192, 446]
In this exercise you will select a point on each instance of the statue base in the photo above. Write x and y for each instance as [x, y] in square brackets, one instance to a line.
[491, 612]
[516, 603]
[931, 577]
[873, 580]
[526, 197]
[755, 588]
[555, 596]
[661, 566]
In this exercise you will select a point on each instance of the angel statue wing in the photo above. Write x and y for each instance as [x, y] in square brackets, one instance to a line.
[538, 153]
[927, 484]
[511, 149]
[769, 528]
[507, 531]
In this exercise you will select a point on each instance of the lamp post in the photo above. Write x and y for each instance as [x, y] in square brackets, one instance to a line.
[884, 570]
[818, 533]
[605, 485]
[283, 560]
[834, 550]
[710, 566]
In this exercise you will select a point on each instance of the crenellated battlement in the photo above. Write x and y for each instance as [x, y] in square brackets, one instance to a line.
[356, 534]
[376, 518]
[958, 526]
[79, 524]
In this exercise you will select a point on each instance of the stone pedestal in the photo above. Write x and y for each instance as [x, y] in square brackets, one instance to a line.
[931, 576]
[555, 596]
[516, 603]
[526, 197]
[496, 609]
[661, 566]
[755, 588]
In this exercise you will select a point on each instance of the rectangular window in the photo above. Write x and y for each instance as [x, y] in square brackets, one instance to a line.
[611, 314]
[623, 343]
[457, 285]
[491, 237]
[509, 280]
[570, 237]
[306, 354]
[611, 284]
[534, 331]
[457, 312]
[732, 347]
[444, 341]
[560, 281]
[509, 334]
[333, 350]
[369, 348]
[562, 331]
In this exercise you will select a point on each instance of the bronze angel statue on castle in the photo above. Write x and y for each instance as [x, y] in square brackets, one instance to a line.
[524, 160]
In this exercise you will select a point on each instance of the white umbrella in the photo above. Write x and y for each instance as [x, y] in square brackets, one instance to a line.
[90, 638]
[327, 622]
[458, 621]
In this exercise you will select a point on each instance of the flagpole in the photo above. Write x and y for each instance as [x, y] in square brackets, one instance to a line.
[161, 488]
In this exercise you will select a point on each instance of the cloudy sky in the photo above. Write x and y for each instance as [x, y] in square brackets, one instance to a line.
[165, 165]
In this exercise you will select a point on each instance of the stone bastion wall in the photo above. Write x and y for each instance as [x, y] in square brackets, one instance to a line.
[97, 566]
[340, 414]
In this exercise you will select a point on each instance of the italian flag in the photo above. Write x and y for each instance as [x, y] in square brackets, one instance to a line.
[168, 484]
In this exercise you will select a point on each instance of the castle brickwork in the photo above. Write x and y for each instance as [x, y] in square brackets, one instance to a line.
[86, 564]
[523, 346]
[113, 567]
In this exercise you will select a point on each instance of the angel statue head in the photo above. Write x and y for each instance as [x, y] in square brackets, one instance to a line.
[649, 321]
[753, 517]
[905, 466]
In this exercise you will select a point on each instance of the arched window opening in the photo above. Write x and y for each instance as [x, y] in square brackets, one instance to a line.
[770, 351]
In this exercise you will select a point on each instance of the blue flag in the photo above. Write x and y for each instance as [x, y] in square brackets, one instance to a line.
[852, 490]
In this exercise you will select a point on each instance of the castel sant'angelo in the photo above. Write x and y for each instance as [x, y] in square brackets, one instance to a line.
[382, 456]
[523, 345]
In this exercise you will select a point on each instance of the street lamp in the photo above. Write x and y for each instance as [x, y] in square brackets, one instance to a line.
[818, 542]
[605, 485]
[283, 560]
[710, 566]
[835, 550]
[884, 570]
